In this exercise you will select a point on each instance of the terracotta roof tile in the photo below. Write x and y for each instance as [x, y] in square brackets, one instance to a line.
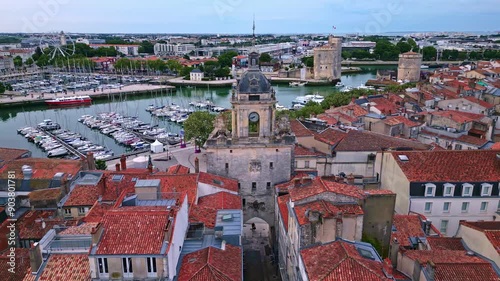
[43, 168]
[318, 186]
[83, 229]
[329, 119]
[445, 243]
[327, 210]
[181, 183]
[352, 110]
[330, 136]
[178, 170]
[9, 154]
[96, 213]
[30, 225]
[450, 165]
[221, 182]
[82, 196]
[299, 129]
[213, 264]
[121, 227]
[300, 150]
[480, 102]
[283, 207]
[62, 267]
[491, 230]
[340, 261]
[384, 105]
[47, 194]
[464, 272]
[458, 116]
[206, 209]
[406, 226]
[443, 256]
[394, 120]
[472, 140]
[496, 146]
[22, 265]
[369, 141]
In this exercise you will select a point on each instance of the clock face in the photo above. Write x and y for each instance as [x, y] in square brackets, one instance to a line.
[253, 117]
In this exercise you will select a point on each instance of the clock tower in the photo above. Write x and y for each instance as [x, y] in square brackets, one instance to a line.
[258, 151]
[254, 103]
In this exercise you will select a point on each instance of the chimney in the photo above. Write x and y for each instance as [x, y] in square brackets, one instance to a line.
[91, 161]
[350, 179]
[35, 257]
[431, 267]
[85, 164]
[117, 167]
[394, 252]
[196, 165]
[223, 245]
[96, 233]
[123, 162]
[150, 168]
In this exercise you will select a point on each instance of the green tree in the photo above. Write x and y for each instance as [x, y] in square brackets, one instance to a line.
[37, 54]
[146, 47]
[198, 126]
[2, 88]
[185, 71]
[308, 61]
[174, 65]
[429, 53]
[265, 57]
[100, 165]
[226, 59]
[43, 60]
[18, 61]
[222, 72]
[29, 62]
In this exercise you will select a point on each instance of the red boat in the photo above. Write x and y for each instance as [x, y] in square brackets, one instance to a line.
[69, 101]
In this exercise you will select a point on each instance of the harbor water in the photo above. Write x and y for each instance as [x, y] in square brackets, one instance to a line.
[14, 118]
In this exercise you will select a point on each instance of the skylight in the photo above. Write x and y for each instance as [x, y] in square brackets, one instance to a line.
[403, 158]
[117, 177]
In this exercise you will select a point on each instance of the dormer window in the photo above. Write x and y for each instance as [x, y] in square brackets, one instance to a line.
[430, 190]
[486, 189]
[467, 189]
[449, 189]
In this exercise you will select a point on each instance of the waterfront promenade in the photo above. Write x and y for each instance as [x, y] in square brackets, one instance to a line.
[36, 98]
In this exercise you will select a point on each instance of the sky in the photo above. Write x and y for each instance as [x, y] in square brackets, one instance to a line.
[235, 16]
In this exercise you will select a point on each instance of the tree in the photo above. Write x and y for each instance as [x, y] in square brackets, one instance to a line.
[185, 71]
[265, 57]
[18, 61]
[429, 53]
[174, 66]
[146, 47]
[29, 62]
[226, 59]
[100, 165]
[2, 88]
[38, 53]
[198, 126]
[222, 72]
[308, 61]
[43, 60]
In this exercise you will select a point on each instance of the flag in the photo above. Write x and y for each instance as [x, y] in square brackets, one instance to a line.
[334, 27]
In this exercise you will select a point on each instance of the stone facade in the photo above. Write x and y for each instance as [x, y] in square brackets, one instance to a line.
[258, 151]
[409, 67]
[328, 59]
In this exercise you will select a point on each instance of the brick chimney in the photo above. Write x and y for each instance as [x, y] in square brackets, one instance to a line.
[117, 167]
[91, 161]
[35, 257]
[150, 168]
[123, 162]
[196, 165]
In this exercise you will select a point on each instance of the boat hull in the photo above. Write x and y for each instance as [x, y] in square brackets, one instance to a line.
[68, 102]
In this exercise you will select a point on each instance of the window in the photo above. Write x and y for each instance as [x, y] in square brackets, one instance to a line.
[498, 206]
[254, 186]
[444, 226]
[306, 164]
[151, 262]
[271, 165]
[428, 207]
[446, 207]
[449, 189]
[127, 267]
[465, 207]
[467, 189]
[67, 212]
[484, 207]
[227, 166]
[268, 185]
[486, 189]
[102, 264]
[83, 210]
[430, 190]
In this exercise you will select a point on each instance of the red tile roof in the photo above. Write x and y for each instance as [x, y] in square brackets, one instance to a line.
[458, 116]
[450, 165]
[299, 129]
[82, 196]
[114, 188]
[180, 183]
[178, 170]
[218, 181]
[385, 106]
[472, 140]
[212, 264]
[10, 154]
[394, 120]
[62, 267]
[352, 110]
[83, 229]
[406, 226]
[30, 225]
[327, 210]
[121, 227]
[318, 186]
[445, 243]
[330, 136]
[496, 146]
[22, 265]
[96, 213]
[42, 168]
[329, 119]
[464, 272]
[206, 209]
[369, 141]
[480, 102]
[300, 150]
[283, 207]
[340, 261]
[442, 256]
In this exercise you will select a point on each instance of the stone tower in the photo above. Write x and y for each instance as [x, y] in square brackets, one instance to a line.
[258, 151]
[328, 59]
[409, 67]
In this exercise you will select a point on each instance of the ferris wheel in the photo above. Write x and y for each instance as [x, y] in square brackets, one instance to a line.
[57, 44]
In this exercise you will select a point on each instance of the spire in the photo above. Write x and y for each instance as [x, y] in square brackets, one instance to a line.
[253, 29]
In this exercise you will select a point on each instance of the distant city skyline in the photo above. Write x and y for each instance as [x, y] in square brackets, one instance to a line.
[235, 16]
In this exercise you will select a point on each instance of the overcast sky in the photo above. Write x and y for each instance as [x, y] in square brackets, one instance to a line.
[235, 16]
